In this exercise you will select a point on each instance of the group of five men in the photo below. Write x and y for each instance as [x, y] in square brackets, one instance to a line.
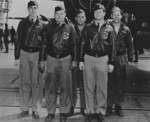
[92, 55]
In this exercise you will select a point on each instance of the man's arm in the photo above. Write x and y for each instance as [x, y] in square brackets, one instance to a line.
[74, 48]
[43, 50]
[18, 41]
[112, 48]
[130, 48]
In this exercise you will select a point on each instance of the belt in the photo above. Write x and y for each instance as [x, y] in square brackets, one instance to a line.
[94, 54]
[58, 55]
[31, 49]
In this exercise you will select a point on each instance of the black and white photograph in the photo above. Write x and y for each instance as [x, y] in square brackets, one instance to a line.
[74, 60]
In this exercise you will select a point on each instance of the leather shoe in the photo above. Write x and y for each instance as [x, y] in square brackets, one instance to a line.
[109, 111]
[49, 117]
[35, 115]
[118, 111]
[83, 112]
[99, 117]
[23, 114]
[63, 117]
[71, 112]
[135, 60]
[89, 118]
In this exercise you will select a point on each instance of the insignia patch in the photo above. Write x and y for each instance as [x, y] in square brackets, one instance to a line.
[104, 35]
[65, 35]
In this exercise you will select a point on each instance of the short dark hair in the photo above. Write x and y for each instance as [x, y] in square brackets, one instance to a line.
[79, 11]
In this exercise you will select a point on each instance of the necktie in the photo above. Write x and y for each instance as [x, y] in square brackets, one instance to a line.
[98, 26]
[32, 21]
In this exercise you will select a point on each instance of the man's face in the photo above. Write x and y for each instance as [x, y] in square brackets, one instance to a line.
[116, 16]
[99, 14]
[80, 18]
[60, 16]
[33, 11]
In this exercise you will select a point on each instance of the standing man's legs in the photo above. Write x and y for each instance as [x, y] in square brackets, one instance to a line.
[116, 86]
[101, 69]
[51, 86]
[89, 83]
[119, 90]
[58, 71]
[31, 83]
[82, 94]
[95, 84]
[25, 81]
[36, 83]
[75, 78]
[110, 93]
[65, 85]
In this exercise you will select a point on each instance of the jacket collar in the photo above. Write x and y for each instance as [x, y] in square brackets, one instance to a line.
[121, 25]
[28, 20]
[96, 24]
[65, 21]
[76, 27]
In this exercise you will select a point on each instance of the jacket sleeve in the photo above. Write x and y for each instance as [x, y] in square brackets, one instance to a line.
[73, 39]
[130, 48]
[43, 45]
[18, 41]
[111, 51]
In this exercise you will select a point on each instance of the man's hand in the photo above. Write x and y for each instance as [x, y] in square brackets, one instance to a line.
[110, 68]
[73, 65]
[81, 66]
[42, 66]
[16, 63]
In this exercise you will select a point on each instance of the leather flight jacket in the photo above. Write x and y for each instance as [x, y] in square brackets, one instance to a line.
[59, 41]
[28, 36]
[124, 42]
[98, 42]
[79, 38]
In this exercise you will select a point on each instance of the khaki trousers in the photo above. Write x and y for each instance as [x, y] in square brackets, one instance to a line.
[95, 83]
[58, 75]
[31, 86]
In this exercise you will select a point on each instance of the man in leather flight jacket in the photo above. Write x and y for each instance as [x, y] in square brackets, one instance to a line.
[27, 49]
[59, 49]
[77, 75]
[97, 53]
[116, 82]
